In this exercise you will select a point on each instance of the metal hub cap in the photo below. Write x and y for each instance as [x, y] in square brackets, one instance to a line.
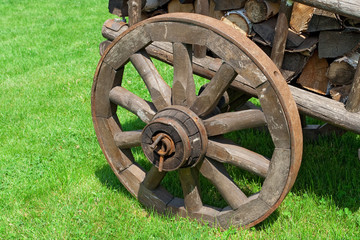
[175, 138]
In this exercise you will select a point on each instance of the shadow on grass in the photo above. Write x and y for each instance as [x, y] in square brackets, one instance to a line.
[330, 169]
[108, 178]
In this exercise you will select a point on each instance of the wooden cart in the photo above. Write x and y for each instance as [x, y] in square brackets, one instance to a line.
[184, 130]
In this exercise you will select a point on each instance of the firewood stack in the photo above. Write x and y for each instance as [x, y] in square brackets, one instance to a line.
[322, 49]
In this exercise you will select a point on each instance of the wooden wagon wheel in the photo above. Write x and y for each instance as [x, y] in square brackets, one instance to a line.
[179, 135]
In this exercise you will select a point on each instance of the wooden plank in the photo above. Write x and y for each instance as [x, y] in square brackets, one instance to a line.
[216, 173]
[314, 76]
[234, 121]
[225, 151]
[183, 89]
[208, 99]
[350, 8]
[353, 103]
[159, 91]
[126, 99]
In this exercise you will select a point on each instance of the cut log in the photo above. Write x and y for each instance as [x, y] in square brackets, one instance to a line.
[224, 5]
[323, 21]
[341, 93]
[213, 12]
[261, 10]
[238, 20]
[342, 70]
[300, 17]
[334, 44]
[353, 103]
[313, 76]
[176, 6]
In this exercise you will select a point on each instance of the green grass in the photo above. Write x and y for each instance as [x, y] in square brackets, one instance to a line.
[54, 180]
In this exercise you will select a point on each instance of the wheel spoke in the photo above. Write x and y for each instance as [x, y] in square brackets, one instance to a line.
[219, 177]
[159, 90]
[208, 99]
[129, 139]
[228, 152]
[126, 99]
[183, 90]
[153, 178]
[232, 121]
[189, 178]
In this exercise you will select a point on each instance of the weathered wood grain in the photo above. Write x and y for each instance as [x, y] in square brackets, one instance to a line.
[129, 139]
[208, 99]
[216, 173]
[281, 33]
[159, 91]
[350, 8]
[308, 103]
[153, 178]
[277, 176]
[313, 76]
[189, 178]
[227, 152]
[234, 121]
[126, 99]
[183, 89]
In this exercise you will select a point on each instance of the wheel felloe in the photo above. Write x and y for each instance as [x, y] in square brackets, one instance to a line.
[174, 138]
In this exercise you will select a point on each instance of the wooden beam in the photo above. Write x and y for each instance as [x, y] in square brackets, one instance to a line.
[350, 8]
[311, 104]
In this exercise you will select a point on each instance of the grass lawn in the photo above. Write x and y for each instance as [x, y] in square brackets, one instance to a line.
[54, 180]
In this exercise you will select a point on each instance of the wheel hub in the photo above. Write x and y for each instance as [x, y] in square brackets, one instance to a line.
[174, 138]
